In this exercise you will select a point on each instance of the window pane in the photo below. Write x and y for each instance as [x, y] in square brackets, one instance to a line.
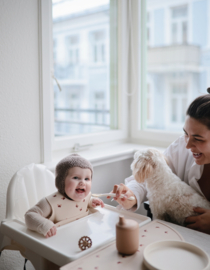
[178, 60]
[184, 108]
[184, 32]
[174, 110]
[174, 33]
[179, 11]
[81, 52]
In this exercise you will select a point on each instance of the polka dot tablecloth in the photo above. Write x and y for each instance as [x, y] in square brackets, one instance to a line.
[108, 258]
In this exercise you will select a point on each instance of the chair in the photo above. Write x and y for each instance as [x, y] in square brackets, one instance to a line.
[26, 188]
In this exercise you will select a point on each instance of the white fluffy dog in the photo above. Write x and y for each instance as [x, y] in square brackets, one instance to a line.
[170, 198]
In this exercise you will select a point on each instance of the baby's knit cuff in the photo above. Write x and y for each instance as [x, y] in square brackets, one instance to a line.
[45, 227]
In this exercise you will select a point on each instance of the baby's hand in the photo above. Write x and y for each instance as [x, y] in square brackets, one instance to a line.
[51, 232]
[96, 202]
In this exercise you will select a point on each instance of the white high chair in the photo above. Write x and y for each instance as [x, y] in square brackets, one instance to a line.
[25, 189]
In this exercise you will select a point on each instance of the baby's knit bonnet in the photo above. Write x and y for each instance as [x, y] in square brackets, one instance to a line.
[63, 167]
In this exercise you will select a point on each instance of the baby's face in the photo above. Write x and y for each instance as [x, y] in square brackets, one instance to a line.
[78, 183]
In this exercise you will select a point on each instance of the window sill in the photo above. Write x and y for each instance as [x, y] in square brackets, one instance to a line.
[104, 154]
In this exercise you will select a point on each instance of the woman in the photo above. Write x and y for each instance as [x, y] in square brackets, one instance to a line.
[188, 158]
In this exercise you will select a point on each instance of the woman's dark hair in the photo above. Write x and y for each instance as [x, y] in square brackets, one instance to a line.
[199, 109]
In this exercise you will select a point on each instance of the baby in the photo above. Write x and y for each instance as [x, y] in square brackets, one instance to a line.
[72, 200]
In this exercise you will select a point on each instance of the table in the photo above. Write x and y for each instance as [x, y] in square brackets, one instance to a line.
[199, 239]
[108, 257]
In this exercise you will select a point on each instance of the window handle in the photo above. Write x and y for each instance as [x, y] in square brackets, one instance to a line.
[57, 82]
[77, 147]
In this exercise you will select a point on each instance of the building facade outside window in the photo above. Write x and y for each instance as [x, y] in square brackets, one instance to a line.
[82, 28]
[178, 59]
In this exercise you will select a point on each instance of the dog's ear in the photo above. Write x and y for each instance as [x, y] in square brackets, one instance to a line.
[136, 155]
[142, 170]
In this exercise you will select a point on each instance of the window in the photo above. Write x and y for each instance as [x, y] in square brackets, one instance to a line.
[179, 25]
[173, 66]
[149, 103]
[82, 50]
[179, 104]
[55, 51]
[73, 49]
[83, 104]
[112, 83]
[97, 43]
[148, 28]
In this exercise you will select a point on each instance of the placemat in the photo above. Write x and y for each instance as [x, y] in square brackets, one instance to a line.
[109, 258]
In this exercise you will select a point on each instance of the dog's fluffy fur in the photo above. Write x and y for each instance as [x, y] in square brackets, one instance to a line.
[170, 198]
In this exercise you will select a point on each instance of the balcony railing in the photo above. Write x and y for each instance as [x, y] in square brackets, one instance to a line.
[80, 121]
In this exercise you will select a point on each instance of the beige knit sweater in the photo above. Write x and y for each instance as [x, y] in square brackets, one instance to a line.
[55, 210]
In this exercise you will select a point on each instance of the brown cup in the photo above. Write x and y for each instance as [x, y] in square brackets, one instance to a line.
[127, 236]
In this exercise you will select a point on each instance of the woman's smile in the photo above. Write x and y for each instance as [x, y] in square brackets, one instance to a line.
[197, 155]
[197, 138]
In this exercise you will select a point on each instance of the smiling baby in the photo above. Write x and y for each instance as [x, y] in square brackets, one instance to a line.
[72, 200]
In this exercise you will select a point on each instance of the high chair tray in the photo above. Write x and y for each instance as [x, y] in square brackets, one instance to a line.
[109, 258]
[63, 247]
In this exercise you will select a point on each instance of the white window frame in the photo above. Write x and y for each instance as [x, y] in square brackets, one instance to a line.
[139, 134]
[49, 144]
[151, 85]
[131, 85]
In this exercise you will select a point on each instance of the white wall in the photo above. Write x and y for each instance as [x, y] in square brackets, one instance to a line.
[19, 99]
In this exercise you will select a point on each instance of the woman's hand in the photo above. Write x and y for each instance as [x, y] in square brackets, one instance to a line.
[51, 232]
[201, 222]
[96, 202]
[122, 189]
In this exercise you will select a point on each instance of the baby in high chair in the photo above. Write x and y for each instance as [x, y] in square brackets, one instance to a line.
[72, 200]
